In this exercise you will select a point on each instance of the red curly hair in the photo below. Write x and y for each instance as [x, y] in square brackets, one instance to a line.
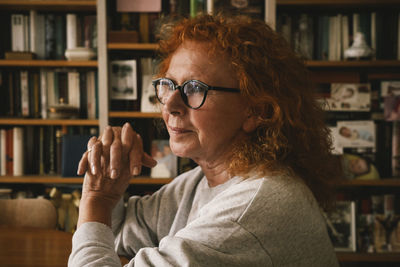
[292, 136]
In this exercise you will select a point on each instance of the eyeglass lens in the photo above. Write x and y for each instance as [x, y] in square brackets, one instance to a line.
[192, 92]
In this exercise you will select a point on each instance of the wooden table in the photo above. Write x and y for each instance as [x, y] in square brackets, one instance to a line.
[34, 247]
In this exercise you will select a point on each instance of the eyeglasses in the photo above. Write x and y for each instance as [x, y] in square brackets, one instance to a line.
[193, 92]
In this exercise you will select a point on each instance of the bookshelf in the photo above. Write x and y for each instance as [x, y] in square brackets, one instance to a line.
[373, 71]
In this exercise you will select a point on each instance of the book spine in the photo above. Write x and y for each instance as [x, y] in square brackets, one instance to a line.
[32, 27]
[50, 36]
[24, 93]
[17, 32]
[26, 34]
[18, 151]
[3, 151]
[9, 152]
[60, 37]
[43, 93]
[73, 89]
[71, 31]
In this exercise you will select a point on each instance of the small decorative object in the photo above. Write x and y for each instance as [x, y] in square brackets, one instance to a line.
[63, 111]
[359, 48]
[80, 53]
[385, 228]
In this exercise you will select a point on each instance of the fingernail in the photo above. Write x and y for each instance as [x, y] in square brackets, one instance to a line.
[114, 173]
[136, 170]
[94, 170]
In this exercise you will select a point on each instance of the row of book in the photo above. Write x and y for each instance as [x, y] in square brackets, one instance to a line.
[369, 225]
[42, 150]
[47, 150]
[327, 36]
[142, 19]
[44, 93]
[48, 35]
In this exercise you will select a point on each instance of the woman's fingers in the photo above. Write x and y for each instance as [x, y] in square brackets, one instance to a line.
[135, 155]
[116, 154]
[106, 139]
[148, 161]
[95, 157]
[84, 163]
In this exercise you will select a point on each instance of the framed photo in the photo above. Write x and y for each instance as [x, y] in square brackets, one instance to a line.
[167, 162]
[123, 79]
[341, 224]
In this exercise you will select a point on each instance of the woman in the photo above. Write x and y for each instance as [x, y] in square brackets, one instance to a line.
[237, 101]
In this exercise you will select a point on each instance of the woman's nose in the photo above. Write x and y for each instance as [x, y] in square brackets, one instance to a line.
[175, 104]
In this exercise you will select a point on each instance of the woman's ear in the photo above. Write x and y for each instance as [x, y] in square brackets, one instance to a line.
[251, 123]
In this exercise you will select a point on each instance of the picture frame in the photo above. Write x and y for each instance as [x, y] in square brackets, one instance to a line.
[123, 80]
[341, 225]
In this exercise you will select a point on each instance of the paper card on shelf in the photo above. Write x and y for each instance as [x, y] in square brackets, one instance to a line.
[359, 134]
[149, 102]
[349, 97]
[139, 6]
[123, 79]
[390, 88]
[167, 162]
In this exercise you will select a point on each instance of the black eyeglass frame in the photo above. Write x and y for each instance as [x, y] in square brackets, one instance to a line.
[184, 97]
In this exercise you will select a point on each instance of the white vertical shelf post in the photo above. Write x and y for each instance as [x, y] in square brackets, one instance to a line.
[102, 58]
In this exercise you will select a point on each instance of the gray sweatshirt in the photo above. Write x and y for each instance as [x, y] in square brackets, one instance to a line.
[258, 221]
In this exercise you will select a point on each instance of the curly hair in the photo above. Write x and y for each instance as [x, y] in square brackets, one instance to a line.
[292, 136]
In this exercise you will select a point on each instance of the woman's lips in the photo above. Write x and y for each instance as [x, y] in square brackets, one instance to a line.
[177, 130]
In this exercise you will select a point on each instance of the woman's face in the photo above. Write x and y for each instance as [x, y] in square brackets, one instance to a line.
[208, 133]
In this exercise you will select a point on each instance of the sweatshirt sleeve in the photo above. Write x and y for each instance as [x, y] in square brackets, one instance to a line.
[215, 238]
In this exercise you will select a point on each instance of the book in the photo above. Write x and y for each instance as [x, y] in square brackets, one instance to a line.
[9, 151]
[37, 34]
[17, 32]
[50, 36]
[3, 152]
[43, 93]
[74, 91]
[24, 93]
[72, 35]
[91, 94]
[73, 147]
[167, 162]
[18, 151]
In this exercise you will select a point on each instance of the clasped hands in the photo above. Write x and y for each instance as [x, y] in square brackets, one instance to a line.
[108, 164]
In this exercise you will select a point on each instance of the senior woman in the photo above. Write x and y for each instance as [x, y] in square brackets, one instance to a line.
[237, 101]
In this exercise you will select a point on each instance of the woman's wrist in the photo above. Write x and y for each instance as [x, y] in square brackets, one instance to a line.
[95, 209]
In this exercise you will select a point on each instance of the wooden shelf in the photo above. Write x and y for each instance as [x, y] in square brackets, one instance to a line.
[133, 114]
[353, 64]
[65, 122]
[368, 257]
[335, 2]
[54, 5]
[132, 46]
[47, 63]
[388, 182]
[36, 179]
